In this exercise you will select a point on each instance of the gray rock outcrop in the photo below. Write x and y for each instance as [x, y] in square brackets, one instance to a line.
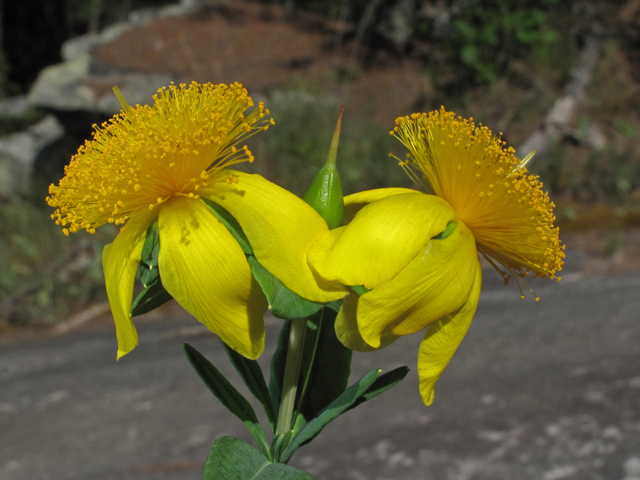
[19, 151]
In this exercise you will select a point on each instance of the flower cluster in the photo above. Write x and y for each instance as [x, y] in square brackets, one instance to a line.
[403, 260]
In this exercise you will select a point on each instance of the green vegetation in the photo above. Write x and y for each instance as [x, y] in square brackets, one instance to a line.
[502, 62]
[489, 34]
[293, 150]
[45, 276]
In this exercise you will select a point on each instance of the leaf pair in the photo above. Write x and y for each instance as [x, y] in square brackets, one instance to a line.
[370, 386]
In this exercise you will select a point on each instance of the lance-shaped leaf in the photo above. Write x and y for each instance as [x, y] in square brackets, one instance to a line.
[278, 361]
[383, 383]
[333, 411]
[326, 365]
[232, 459]
[150, 298]
[228, 396]
[153, 295]
[149, 256]
[253, 378]
[283, 303]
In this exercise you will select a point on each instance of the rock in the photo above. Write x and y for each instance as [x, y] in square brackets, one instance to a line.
[399, 25]
[81, 84]
[264, 47]
[596, 137]
[18, 153]
[14, 106]
[85, 44]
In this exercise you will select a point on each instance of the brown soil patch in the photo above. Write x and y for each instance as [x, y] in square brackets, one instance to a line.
[266, 47]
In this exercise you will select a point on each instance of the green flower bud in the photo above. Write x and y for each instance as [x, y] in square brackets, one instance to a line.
[325, 192]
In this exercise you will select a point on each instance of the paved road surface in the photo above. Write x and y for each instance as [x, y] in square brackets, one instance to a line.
[544, 391]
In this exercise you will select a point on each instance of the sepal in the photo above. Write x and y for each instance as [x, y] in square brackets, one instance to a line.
[283, 303]
[154, 294]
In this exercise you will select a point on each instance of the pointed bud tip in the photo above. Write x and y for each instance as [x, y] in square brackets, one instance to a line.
[325, 192]
[333, 149]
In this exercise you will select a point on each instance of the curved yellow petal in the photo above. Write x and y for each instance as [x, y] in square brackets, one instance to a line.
[205, 270]
[442, 340]
[355, 202]
[321, 249]
[120, 260]
[280, 227]
[434, 284]
[383, 238]
[347, 327]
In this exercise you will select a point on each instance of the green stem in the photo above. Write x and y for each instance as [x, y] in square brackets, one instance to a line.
[291, 373]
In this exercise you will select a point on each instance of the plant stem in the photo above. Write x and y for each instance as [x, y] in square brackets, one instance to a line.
[291, 373]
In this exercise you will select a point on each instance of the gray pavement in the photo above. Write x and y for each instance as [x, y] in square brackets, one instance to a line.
[544, 390]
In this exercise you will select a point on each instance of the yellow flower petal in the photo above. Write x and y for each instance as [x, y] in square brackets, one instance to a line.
[355, 202]
[442, 340]
[347, 327]
[205, 270]
[120, 260]
[434, 284]
[382, 239]
[280, 227]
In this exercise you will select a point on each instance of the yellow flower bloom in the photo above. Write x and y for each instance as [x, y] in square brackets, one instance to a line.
[417, 254]
[157, 163]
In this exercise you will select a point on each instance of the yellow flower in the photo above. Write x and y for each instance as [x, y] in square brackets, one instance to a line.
[416, 255]
[157, 163]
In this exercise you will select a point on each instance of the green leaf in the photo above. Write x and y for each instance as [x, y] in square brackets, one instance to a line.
[450, 228]
[26, 246]
[150, 298]
[280, 443]
[335, 305]
[333, 411]
[232, 225]
[470, 55]
[283, 303]
[326, 364]
[149, 257]
[625, 128]
[278, 361]
[359, 289]
[228, 396]
[382, 384]
[465, 29]
[233, 459]
[253, 378]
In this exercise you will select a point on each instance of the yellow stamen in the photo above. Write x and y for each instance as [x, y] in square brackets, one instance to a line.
[507, 210]
[148, 154]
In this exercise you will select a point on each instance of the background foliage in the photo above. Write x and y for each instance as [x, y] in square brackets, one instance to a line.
[504, 62]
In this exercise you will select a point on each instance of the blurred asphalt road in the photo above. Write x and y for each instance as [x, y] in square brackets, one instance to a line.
[543, 390]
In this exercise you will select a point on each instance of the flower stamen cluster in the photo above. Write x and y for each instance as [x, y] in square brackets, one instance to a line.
[148, 154]
[508, 212]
